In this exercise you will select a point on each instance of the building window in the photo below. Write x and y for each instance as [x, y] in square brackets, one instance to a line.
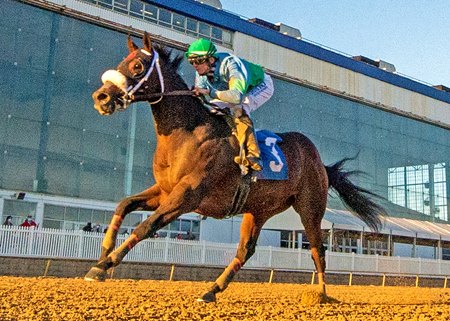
[216, 33]
[204, 30]
[168, 19]
[179, 22]
[421, 188]
[74, 218]
[165, 18]
[289, 239]
[151, 13]
[185, 229]
[19, 210]
[191, 27]
[121, 6]
[105, 3]
[137, 9]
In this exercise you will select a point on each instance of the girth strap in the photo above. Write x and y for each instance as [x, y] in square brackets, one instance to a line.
[240, 196]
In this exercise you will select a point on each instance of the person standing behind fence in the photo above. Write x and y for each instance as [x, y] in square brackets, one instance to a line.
[88, 227]
[29, 222]
[8, 221]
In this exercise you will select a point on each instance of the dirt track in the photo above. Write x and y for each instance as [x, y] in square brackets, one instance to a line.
[74, 299]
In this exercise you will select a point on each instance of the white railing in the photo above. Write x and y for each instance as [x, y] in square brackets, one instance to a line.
[51, 243]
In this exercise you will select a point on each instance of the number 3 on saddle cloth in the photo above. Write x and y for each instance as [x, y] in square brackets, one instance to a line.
[273, 159]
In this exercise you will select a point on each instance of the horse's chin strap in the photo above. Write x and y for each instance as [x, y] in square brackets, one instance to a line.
[129, 95]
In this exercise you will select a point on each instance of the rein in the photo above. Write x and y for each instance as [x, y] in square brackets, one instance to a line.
[170, 93]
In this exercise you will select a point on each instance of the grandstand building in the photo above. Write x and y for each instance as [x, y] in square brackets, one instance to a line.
[66, 165]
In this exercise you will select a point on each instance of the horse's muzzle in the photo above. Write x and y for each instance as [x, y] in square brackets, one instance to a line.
[108, 99]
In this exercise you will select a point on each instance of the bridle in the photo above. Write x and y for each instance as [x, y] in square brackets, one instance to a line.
[130, 96]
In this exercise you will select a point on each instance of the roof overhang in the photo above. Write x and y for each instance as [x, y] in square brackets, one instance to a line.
[289, 220]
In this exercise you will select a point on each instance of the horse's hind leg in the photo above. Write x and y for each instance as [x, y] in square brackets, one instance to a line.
[250, 229]
[311, 205]
[314, 235]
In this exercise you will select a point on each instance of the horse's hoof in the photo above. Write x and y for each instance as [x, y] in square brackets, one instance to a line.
[95, 274]
[311, 297]
[208, 297]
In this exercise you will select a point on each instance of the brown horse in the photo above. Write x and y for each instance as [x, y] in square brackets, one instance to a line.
[195, 172]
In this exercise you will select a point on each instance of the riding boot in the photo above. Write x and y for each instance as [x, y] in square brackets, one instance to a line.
[247, 138]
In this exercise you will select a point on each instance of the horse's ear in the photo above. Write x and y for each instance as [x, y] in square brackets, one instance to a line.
[131, 45]
[147, 42]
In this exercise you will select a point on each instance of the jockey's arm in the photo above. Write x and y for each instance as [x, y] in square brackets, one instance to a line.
[233, 95]
[233, 71]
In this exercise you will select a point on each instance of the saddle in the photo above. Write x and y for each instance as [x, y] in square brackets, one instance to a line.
[273, 160]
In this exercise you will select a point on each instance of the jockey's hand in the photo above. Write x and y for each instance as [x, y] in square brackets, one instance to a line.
[200, 91]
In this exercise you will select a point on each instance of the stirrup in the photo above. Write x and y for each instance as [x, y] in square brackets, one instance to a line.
[251, 161]
[254, 163]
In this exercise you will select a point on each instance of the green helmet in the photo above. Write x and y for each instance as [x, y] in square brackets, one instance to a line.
[201, 47]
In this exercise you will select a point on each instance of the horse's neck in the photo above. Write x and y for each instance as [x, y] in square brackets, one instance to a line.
[177, 112]
[183, 112]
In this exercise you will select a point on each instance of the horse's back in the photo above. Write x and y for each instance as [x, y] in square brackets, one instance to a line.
[305, 165]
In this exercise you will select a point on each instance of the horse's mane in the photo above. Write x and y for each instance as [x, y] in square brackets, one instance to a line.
[172, 64]
[165, 55]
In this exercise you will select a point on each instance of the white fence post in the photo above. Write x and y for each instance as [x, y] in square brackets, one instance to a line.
[299, 261]
[30, 241]
[203, 252]
[80, 244]
[166, 250]
[270, 256]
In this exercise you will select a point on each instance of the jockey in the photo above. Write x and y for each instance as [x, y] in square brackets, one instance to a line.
[234, 83]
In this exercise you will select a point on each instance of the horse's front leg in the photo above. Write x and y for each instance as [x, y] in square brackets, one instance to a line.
[146, 200]
[250, 229]
[168, 210]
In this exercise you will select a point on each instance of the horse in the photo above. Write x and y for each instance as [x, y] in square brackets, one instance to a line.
[194, 169]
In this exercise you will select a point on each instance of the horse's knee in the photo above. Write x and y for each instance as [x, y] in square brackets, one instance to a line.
[124, 205]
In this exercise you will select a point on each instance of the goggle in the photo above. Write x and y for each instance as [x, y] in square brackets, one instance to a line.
[197, 60]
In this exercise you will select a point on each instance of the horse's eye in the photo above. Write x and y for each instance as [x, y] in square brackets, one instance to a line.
[136, 68]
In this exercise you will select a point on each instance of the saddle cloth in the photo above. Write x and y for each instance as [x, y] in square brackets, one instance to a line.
[273, 159]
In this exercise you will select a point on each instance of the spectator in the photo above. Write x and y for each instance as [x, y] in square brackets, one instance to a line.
[8, 221]
[88, 227]
[96, 228]
[29, 222]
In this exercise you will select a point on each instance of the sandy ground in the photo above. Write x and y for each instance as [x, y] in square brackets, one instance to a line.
[74, 299]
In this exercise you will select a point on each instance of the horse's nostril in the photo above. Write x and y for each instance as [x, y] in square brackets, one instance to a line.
[102, 97]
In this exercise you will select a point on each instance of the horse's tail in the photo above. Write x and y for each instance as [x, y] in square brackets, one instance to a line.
[355, 198]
